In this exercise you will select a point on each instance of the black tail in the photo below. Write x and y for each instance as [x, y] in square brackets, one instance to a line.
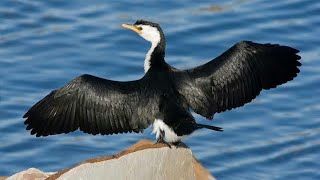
[215, 128]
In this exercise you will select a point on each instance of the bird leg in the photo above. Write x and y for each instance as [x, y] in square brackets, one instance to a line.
[161, 140]
[177, 143]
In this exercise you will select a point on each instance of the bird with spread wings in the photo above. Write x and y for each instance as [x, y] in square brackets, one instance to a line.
[164, 96]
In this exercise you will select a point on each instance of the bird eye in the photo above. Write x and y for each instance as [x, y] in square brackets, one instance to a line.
[140, 28]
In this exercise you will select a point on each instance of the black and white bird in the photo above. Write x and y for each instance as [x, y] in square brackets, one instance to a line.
[164, 96]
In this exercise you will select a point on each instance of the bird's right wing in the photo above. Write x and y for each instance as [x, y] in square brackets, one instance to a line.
[96, 106]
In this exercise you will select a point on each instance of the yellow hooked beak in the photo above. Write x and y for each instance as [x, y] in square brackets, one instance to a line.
[132, 27]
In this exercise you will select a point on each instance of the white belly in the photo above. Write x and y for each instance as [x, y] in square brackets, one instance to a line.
[170, 136]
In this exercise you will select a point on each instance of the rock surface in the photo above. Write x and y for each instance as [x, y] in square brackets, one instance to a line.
[29, 174]
[143, 160]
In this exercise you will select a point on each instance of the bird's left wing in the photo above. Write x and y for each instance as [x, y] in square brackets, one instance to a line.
[96, 106]
[236, 77]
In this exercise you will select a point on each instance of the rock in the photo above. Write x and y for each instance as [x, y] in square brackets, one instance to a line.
[143, 160]
[29, 174]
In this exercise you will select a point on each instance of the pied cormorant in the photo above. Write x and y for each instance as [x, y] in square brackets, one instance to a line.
[164, 96]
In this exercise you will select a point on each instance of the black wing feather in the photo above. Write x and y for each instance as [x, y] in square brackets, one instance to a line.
[237, 76]
[94, 105]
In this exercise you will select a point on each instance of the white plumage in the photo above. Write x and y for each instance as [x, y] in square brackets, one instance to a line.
[170, 136]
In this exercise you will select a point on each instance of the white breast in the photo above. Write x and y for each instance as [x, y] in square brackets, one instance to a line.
[170, 135]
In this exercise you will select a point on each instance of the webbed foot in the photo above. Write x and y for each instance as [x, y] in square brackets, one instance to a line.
[163, 142]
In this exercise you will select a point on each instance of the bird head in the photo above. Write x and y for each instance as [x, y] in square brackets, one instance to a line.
[148, 30]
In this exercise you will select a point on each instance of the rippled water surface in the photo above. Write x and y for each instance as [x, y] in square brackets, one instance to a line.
[45, 44]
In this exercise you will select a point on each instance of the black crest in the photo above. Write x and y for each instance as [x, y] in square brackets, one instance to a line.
[143, 22]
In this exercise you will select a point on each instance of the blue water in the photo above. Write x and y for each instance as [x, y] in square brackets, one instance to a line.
[43, 45]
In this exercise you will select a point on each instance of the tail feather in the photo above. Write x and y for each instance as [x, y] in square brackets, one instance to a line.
[215, 128]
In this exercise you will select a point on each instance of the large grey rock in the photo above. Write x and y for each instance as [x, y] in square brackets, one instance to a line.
[147, 164]
[143, 160]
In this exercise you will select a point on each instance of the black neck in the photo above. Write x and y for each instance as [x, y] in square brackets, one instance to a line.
[157, 56]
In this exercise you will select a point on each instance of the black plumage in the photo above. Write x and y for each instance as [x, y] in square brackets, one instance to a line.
[237, 76]
[95, 105]
[100, 106]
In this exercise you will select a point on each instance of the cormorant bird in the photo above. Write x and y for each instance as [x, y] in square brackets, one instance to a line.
[164, 96]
